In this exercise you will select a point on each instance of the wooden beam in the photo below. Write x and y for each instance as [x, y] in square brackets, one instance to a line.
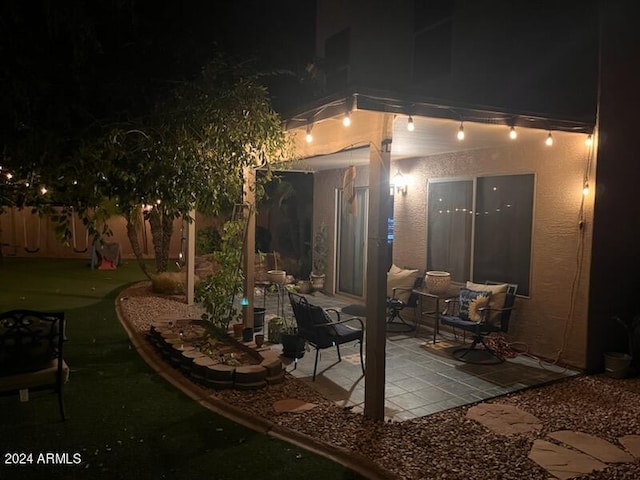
[249, 194]
[377, 265]
[191, 257]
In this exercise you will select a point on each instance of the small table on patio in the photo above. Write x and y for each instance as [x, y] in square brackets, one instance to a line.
[278, 291]
[434, 300]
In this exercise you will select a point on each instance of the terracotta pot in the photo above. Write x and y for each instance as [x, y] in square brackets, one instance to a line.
[237, 329]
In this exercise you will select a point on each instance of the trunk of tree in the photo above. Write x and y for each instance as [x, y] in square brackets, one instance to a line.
[132, 234]
[161, 231]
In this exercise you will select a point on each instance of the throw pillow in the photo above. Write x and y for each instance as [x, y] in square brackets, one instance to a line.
[403, 280]
[498, 297]
[470, 303]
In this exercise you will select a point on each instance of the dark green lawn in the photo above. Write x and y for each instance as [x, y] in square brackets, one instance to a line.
[124, 420]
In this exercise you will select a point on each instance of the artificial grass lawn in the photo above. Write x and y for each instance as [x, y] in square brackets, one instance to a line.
[124, 420]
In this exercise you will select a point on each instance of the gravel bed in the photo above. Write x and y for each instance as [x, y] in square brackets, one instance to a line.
[445, 445]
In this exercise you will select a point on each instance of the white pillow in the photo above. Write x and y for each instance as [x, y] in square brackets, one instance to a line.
[394, 269]
[404, 280]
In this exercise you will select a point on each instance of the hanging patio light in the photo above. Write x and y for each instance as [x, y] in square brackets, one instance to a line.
[589, 140]
[461, 132]
[410, 126]
[309, 137]
[549, 140]
[512, 133]
[346, 121]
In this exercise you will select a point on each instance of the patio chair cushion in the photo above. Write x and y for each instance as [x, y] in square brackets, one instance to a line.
[471, 301]
[401, 279]
[498, 297]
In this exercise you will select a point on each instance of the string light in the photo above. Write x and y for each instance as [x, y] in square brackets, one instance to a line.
[512, 133]
[43, 190]
[549, 140]
[9, 176]
[410, 126]
[589, 140]
[585, 189]
[461, 132]
[309, 137]
[346, 121]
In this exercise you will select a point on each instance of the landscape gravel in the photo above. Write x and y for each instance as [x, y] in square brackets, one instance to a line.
[445, 445]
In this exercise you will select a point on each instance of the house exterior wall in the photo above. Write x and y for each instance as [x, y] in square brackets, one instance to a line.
[529, 57]
[552, 320]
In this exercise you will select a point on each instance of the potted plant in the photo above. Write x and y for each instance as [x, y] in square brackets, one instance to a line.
[260, 266]
[276, 275]
[619, 364]
[285, 331]
[320, 255]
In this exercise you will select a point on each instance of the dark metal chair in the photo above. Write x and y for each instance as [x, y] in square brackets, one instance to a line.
[492, 319]
[395, 305]
[321, 331]
[31, 353]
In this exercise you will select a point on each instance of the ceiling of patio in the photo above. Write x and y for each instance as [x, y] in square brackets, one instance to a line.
[333, 148]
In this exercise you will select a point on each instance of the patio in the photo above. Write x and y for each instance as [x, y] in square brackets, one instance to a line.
[419, 381]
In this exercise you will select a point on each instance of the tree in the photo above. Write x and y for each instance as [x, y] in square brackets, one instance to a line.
[190, 152]
[106, 112]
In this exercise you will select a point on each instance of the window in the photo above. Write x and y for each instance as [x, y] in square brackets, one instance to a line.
[480, 229]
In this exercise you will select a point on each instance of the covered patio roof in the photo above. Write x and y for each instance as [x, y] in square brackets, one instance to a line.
[435, 129]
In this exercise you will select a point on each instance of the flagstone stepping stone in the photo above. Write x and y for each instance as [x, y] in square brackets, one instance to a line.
[563, 462]
[632, 444]
[594, 446]
[292, 405]
[503, 419]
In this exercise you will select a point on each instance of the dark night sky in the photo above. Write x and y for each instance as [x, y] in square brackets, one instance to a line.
[78, 60]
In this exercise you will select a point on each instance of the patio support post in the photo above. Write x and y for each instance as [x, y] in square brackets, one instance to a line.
[249, 197]
[191, 257]
[377, 265]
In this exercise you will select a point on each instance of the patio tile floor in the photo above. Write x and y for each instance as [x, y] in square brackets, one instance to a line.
[418, 382]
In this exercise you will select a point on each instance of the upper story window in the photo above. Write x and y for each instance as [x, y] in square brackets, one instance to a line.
[432, 45]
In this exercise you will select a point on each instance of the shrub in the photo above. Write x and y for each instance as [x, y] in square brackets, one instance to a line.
[169, 283]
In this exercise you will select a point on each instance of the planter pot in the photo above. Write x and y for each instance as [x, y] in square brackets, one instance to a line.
[304, 286]
[275, 327]
[616, 365]
[317, 281]
[292, 345]
[437, 282]
[237, 329]
[258, 318]
[247, 334]
[277, 276]
[259, 339]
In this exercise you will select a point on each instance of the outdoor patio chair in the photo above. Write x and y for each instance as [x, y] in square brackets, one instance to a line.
[481, 309]
[321, 331]
[31, 348]
[401, 298]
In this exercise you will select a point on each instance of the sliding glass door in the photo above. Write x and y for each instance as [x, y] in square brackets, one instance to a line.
[352, 242]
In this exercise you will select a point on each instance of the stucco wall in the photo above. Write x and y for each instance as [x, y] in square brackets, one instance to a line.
[552, 321]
